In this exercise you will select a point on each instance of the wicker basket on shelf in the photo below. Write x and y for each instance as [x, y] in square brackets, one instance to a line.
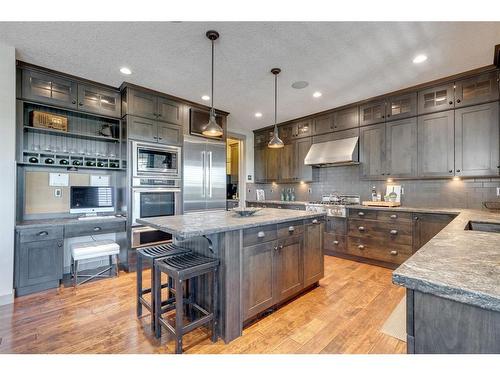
[39, 119]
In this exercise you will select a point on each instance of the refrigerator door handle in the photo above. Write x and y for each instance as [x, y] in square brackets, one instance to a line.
[210, 174]
[203, 170]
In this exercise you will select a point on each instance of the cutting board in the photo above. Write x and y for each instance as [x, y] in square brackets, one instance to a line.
[381, 204]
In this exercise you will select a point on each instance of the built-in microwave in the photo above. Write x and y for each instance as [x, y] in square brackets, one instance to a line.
[152, 159]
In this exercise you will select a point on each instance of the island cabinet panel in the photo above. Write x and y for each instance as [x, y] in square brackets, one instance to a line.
[289, 267]
[436, 146]
[426, 226]
[313, 253]
[477, 140]
[443, 326]
[258, 275]
[372, 151]
[401, 155]
[479, 89]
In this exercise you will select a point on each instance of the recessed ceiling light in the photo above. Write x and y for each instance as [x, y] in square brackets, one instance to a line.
[317, 94]
[258, 114]
[205, 97]
[419, 59]
[125, 70]
[300, 84]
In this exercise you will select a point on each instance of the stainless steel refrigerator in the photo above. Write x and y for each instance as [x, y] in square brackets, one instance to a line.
[204, 174]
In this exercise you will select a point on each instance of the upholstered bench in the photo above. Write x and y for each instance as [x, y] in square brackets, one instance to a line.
[90, 250]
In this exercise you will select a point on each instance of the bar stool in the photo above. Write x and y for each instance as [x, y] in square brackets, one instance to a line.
[185, 268]
[150, 254]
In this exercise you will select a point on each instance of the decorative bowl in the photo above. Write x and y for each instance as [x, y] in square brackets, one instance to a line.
[245, 212]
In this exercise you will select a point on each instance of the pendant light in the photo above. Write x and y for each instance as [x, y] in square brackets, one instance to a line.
[212, 129]
[275, 141]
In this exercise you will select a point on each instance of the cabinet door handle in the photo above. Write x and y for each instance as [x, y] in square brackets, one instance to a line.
[97, 229]
[393, 252]
[361, 247]
[280, 247]
[335, 242]
[361, 214]
[393, 216]
[160, 138]
[43, 233]
[159, 114]
[261, 234]
[450, 171]
[80, 104]
[291, 228]
[458, 170]
[458, 100]
[73, 101]
[361, 229]
[276, 248]
[393, 231]
[450, 102]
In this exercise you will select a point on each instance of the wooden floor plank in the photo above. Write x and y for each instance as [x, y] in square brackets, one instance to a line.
[343, 315]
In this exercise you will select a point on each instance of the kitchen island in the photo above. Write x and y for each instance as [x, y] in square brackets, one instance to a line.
[266, 259]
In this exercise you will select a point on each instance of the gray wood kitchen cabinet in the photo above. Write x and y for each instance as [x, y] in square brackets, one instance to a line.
[475, 90]
[38, 259]
[372, 113]
[401, 150]
[436, 144]
[273, 164]
[169, 111]
[313, 252]
[99, 100]
[287, 164]
[260, 161]
[346, 118]
[155, 107]
[302, 129]
[302, 172]
[257, 275]
[426, 226]
[477, 140]
[289, 267]
[48, 88]
[372, 151]
[322, 124]
[434, 99]
[401, 106]
[143, 129]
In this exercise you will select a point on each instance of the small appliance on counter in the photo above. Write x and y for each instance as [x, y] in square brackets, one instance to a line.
[392, 198]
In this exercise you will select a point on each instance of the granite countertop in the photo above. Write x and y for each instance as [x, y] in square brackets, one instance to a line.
[62, 221]
[277, 202]
[457, 264]
[210, 222]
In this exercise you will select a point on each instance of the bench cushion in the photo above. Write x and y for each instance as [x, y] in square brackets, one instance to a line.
[94, 249]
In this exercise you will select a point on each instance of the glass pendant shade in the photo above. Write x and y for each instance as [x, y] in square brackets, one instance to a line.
[275, 141]
[212, 129]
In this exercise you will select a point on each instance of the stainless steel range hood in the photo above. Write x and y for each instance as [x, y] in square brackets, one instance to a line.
[333, 153]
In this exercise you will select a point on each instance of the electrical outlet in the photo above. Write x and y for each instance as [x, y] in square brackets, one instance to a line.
[309, 191]
[498, 191]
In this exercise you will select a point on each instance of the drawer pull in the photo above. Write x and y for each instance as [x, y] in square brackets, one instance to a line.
[361, 214]
[291, 228]
[261, 234]
[315, 221]
[97, 229]
[361, 247]
[361, 229]
[393, 231]
[43, 233]
[393, 216]
[393, 252]
[280, 247]
[335, 242]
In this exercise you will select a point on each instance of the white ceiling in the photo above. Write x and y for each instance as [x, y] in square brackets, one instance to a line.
[345, 61]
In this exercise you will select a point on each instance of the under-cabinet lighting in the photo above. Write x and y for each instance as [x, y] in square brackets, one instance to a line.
[390, 180]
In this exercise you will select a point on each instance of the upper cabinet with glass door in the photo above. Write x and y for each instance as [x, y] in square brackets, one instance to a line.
[477, 90]
[372, 113]
[98, 100]
[435, 99]
[401, 106]
[50, 89]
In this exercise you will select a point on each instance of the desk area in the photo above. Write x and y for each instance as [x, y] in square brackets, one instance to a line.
[39, 253]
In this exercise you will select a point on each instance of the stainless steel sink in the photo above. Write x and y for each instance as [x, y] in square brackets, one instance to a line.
[483, 226]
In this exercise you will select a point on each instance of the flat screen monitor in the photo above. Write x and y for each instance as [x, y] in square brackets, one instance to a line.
[89, 199]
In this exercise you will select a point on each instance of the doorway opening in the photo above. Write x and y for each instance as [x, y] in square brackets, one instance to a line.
[233, 172]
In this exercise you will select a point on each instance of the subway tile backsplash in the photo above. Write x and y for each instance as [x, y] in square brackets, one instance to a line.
[446, 193]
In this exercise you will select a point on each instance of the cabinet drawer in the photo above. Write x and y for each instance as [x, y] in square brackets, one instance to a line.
[374, 249]
[87, 229]
[290, 229]
[366, 214]
[400, 233]
[392, 216]
[257, 235]
[333, 242]
[336, 225]
[39, 234]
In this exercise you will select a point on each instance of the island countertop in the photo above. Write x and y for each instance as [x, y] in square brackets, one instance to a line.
[210, 222]
[457, 264]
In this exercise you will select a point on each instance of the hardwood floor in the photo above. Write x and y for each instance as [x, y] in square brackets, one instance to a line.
[343, 315]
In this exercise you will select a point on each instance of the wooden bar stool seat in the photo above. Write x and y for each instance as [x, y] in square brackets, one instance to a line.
[150, 254]
[185, 268]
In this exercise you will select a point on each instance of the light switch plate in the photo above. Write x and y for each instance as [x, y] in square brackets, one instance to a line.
[498, 191]
[58, 193]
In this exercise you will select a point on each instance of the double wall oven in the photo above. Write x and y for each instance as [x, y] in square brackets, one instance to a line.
[155, 190]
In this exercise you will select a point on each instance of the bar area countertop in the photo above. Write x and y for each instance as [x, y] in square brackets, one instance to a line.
[212, 222]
